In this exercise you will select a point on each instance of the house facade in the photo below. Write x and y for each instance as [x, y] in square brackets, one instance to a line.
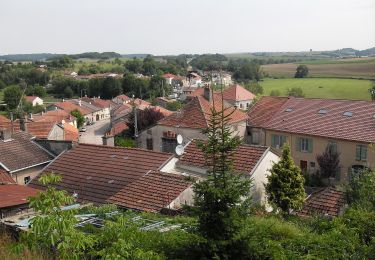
[189, 123]
[308, 126]
[34, 100]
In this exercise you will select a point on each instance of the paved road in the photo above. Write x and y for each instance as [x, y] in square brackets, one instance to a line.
[94, 133]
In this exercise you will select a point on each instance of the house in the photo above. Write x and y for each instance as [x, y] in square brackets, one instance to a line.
[251, 160]
[168, 77]
[56, 116]
[89, 111]
[154, 192]
[21, 157]
[34, 100]
[45, 130]
[194, 79]
[218, 77]
[309, 125]
[13, 199]
[189, 123]
[121, 99]
[95, 173]
[328, 202]
[238, 96]
[105, 105]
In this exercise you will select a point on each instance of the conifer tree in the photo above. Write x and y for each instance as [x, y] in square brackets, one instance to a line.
[222, 200]
[285, 184]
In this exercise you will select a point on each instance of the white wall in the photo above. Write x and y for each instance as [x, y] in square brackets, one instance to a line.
[260, 174]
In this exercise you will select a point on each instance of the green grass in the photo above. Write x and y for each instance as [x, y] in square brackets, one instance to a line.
[322, 87]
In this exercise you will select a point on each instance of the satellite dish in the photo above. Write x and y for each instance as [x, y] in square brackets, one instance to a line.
[179, 139]
[179, 150]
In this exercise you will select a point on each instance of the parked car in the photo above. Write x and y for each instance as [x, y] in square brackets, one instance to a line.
[83, 129]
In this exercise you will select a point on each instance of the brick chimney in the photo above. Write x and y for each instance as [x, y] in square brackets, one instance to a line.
[207, 93]
[23, 124]
[80, 103]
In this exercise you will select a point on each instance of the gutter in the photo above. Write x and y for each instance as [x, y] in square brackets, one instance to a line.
[15, 171]
[3, 166]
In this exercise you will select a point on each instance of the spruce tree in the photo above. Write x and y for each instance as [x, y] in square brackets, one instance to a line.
[285, 188]
[222, 200]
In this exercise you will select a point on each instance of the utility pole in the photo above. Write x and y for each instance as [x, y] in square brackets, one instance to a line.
[135, 120]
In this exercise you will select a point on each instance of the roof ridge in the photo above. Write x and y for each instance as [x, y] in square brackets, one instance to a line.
[122, 148]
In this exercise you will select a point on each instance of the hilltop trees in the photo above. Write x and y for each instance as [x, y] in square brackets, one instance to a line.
[302, 71]
[222, 200]
[12, 96]
[285, 184]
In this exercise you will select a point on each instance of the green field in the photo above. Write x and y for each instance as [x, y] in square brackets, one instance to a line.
[358, 68]
[322, 87]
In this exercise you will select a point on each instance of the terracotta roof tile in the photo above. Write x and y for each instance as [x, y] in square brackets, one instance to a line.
[40, 129]
[327, 201]
[30, 98]
[56, 116]
[98, 172]
[69, 107]
[22, 152]
[5, 177]
[14, 195]
[152, 192]
[245, 157]
[320, 117]
[71, 132]
[197, 113]
[237, 93]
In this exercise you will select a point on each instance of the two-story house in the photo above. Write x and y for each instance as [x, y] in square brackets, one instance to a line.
[309, 125]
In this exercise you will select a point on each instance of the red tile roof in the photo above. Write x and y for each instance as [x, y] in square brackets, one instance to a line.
[5, 123]
[14, 195]
[118, 128]
[237, 93]
[162, 110]
[264, 109]
[30, 98]
[71, 132]
[54, 116]
[69, 107]
[197, 113]
[21, 152]
[152, 192]
[123, 97]
[98, 172]
[319, 117]
[327, 201]
[98, 102]
[168, 76]
[40, 129]
[245, 157]
[4, 119]
[5, 177]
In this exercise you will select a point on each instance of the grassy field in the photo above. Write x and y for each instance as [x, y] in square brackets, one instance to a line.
[345, 68]
[322, 87]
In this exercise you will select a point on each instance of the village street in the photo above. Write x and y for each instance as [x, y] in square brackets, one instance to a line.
[94, 133]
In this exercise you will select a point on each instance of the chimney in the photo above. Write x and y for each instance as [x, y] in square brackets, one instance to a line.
[23, 125]
[207, 93]
[5, 135]
[63, 100]
[31, 116]
[80, 103]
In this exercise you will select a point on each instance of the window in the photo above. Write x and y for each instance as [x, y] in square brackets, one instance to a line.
[305, 145]
[361, 152]
[348, 114]
[150, 145]
[240, 106]
[168, 144]
[247, 105]
[333, 144]
[277, 141]
[26, 179]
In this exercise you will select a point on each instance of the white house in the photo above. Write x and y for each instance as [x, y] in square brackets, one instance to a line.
[34, 100]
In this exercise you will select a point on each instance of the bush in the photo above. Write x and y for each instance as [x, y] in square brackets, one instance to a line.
[295, 92]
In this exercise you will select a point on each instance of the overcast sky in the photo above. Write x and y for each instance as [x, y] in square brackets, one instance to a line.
[190, 26]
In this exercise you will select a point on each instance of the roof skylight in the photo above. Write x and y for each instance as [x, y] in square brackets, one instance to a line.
[289, 109]
[323, 111]
[348, 114]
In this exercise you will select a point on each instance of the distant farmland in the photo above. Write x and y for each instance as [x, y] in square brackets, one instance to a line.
[351, 68]
[321, 87]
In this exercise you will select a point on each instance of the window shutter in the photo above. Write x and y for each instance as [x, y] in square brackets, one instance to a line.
[283, 140]
[358, 153]
[364, 152]
[273, 143]
[310, 145]
[298, 144]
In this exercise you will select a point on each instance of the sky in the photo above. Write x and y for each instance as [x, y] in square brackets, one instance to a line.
[163, 27]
